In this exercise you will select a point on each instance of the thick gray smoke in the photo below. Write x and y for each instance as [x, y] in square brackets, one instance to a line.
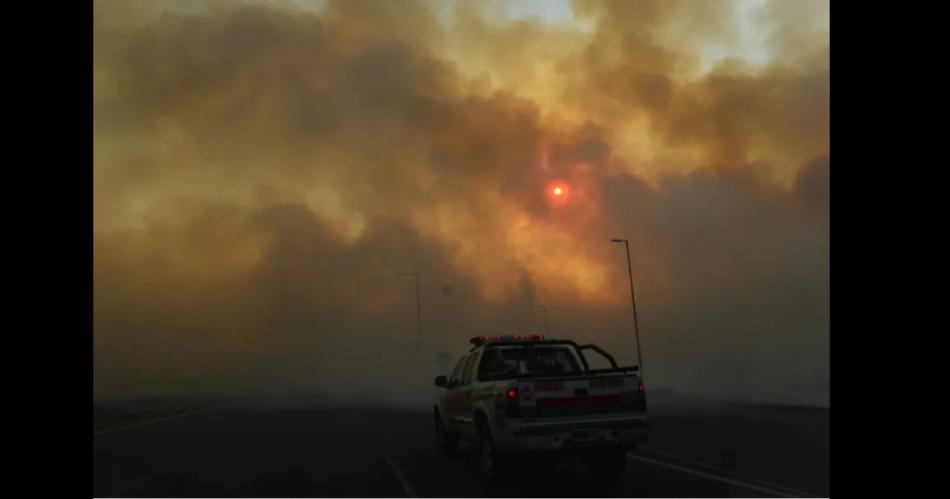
[263, 171]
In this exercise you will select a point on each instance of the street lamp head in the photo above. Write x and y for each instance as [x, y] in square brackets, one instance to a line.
[618, 240]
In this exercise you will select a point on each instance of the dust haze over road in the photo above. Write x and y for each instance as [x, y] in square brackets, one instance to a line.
[263, 170]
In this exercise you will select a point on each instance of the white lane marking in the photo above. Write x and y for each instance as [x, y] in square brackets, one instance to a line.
[402, 479]
[723, 479]
[148, 421]
[776, 486]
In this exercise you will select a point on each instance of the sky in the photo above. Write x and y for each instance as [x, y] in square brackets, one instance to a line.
[263, 170]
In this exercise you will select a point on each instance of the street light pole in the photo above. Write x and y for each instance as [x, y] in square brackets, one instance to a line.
[418, 305]
[633, 302]
[544, 312]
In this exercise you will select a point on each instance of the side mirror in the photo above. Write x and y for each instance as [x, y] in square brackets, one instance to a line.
[441, 381]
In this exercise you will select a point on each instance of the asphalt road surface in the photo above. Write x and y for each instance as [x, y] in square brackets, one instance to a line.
[266, 448]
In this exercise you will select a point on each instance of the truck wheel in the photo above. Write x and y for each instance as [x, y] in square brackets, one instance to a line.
[446, 443]
[490, 460]
[610, 465]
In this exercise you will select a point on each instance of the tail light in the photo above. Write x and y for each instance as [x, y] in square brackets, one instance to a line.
[512, 407]
[635, 401]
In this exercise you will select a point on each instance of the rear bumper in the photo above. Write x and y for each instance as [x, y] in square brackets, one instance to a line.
[543, 435]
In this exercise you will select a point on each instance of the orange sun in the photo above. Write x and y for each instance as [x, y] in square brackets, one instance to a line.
[557, 191]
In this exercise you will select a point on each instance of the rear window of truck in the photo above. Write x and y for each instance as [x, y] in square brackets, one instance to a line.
[508, 362]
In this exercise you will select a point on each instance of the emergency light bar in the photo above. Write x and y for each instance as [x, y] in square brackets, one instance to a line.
[481, 340]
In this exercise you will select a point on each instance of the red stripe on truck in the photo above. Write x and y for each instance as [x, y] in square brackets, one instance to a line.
[579, 400]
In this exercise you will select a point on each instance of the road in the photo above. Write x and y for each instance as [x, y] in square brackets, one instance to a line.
[267, 448]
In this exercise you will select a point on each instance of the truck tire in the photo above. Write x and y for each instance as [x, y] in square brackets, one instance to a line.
[609, 465]
[446, 443]
[491, 461]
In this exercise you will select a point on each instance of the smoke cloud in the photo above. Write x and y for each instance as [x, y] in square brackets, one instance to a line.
[263, 170]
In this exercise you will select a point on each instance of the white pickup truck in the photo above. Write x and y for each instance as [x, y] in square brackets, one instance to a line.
[512, 395]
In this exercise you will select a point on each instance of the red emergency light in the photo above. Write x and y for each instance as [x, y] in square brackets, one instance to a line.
[529, 337]
[481, 340]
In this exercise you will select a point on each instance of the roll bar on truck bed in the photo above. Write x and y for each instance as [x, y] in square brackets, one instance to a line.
[531, 341]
